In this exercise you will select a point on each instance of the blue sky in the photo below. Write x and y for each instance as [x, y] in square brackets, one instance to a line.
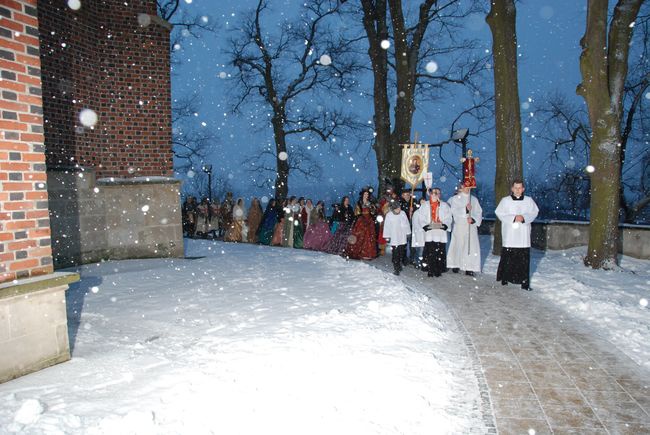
[549, 32]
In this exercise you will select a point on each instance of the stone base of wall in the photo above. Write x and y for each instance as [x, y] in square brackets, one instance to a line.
[94, 220]
[554, 235]
[33, 324]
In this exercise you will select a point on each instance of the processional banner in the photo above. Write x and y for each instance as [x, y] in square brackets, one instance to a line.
[415, 162]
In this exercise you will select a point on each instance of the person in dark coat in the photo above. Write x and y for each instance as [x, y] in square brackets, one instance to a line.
[269, 220]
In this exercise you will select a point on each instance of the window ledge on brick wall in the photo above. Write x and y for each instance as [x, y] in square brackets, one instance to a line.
[114, 181]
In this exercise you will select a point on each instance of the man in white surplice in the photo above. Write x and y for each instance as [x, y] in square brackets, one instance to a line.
[516, 212]
[430, 224]
[464, 250]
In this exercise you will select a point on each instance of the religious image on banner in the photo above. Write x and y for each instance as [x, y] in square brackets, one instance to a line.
[415, 162]
[469, 170]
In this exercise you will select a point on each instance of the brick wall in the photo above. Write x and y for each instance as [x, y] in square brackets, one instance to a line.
[24, 223]
[100, 57]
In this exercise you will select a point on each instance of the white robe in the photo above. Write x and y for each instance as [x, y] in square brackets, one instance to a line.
[396, 228]
[422, 217]
[459, 255]
[516, 234]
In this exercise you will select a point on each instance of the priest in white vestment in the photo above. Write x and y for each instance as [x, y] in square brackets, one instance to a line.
[464, 250]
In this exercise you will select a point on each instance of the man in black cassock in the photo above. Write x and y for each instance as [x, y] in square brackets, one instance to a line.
[516, 212]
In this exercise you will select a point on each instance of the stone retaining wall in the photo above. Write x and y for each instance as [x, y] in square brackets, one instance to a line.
[94, 220]
[553, 235]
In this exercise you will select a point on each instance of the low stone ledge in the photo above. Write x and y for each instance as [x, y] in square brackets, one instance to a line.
[37, 283]
[33, 324]
[111, 181]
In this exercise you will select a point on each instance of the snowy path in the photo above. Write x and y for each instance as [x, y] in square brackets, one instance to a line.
[250, 340]
[552, 365]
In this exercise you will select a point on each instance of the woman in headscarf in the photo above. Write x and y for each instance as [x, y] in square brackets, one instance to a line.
[269, 220]
[362, 243]
[345, 218]
[234, 233]
[293, 232]
[253, 220]
[278, 230]
[318, 232]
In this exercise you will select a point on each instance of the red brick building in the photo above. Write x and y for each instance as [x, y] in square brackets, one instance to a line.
[85, 158]
[111, 57]
[24, 220]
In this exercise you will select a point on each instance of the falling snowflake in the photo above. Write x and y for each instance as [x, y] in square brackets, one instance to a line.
[88, 118]
[75, 5]
[283, 156]
[385, 44]
[546, 12]
[94, 289]
[643, 302]
[144, 20]
[325, 60]
[145, 208]
[432, 67]
[590, 169]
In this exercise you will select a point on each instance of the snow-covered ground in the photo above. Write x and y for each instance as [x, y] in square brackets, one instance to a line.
[249, 339]
[613, 303]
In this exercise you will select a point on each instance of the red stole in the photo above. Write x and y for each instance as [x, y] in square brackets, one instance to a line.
[434, 211]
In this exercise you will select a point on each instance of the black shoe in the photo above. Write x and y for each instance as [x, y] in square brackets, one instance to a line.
[396, 272]
[469, 273]
[437, 275]
[504, 282]
[455, 270]
[525, 287]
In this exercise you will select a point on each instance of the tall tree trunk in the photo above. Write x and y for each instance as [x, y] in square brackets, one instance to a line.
[375, 24]
[282, 164]
[406, 59]
[502, 21]
[407, 50]
[603, 64]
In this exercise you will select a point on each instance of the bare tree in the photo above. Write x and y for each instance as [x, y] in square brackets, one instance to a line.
[563, 194]
[185, 24]
[299, 161]
[566, 126]
[403, 70]
[283, 67]
[502, 22]
[197, 186]
[190, 143]
[604, 67]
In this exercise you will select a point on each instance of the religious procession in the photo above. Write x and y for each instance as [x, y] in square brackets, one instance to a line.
[429, 233]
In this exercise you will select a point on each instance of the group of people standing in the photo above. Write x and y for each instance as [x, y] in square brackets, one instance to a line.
[418, 231]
